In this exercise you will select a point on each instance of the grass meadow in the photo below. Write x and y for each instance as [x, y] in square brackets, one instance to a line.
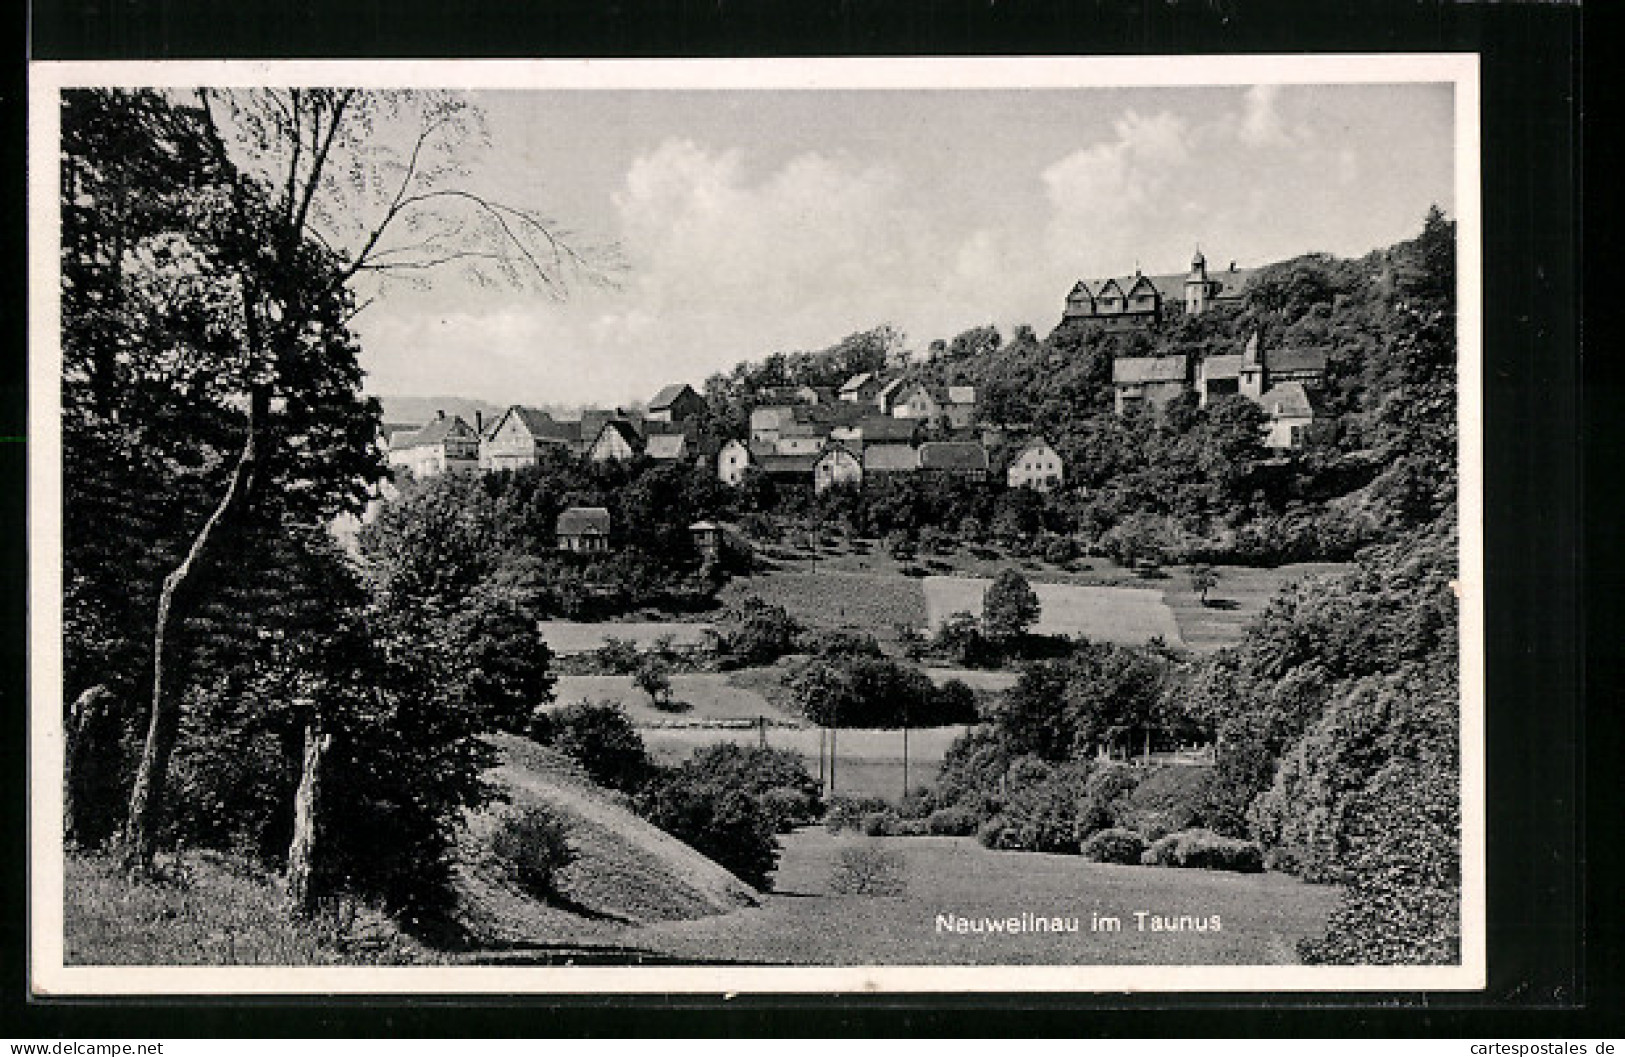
[802, 922]
[1126, 615]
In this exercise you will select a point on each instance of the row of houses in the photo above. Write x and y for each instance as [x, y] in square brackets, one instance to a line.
[668, 431]
[1281, 381]
[1140, 300]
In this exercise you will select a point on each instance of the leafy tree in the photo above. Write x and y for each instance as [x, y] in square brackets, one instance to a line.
[1204, 578]
[653, 677]
[601, 738]
[1009, 607]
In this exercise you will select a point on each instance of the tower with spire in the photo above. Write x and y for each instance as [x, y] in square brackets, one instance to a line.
[1197, 286]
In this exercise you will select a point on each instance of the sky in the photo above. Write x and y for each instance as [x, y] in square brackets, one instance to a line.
[749, 222]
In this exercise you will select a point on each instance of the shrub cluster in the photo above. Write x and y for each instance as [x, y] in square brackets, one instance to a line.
[1122, 846]
[600, 737]
[1202, 849]
[532, 846]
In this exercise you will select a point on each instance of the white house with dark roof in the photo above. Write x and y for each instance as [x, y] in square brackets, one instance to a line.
[1036, 465]
[520, 435]
[733, 459]
[1291, 411]
[444, 444]
[617, 441]
[836, 465]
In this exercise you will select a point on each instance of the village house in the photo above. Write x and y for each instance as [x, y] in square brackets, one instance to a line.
[1218, 376]
[732, 461]
[445, 444]
[666, 447]
[1037, 465]
[886, 399]
[1291, 412]
[618, 440]
[520, 434]
[1140, 300]
[674, 403]
[707, 536]
[583, 530]
[955, 458]
[766, 422]
[1148, 381]
[836, 465]
[880, 460]
[955, 403]
[861, 388]
[786, 469]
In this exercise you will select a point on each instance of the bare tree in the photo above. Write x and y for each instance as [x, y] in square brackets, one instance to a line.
[339, 190]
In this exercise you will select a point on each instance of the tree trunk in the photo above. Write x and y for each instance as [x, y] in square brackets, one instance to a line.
[175, 604]
[306, 802]
[80, 738]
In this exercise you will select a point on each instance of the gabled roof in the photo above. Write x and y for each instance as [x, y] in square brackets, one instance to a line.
[1080, 291]
[390, 429]
[1138, 281]
[622, 427]
[890, 388]
[1137, 370]
[583, 521]
[668, 396]
[1289, 399]
[857, 381]
[879, 429]
[1296, 359]
[890, 458]
[1221, 367]
[436, 431]
[952, 455]
[788, 464]
[835, 447]
[1034, 444]
[961, 394]
[667, 446]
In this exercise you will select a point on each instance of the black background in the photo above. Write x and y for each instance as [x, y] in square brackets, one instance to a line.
[1554, 768]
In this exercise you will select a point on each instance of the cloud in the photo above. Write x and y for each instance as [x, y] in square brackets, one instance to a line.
[1261, 123]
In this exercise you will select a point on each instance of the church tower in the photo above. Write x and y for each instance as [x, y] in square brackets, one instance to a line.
[1197, 285]
[1251, 375]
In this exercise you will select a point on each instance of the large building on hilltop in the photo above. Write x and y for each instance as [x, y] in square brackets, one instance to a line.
[1140, 300]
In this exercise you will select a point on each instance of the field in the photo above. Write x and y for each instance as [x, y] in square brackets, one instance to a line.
[868, 762]
[1126, 615]
[1261, 916]
[703, 697]
[864, 589]
[840, 599]
[571, 636]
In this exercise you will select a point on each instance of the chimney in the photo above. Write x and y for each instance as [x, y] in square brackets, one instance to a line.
[479, 422]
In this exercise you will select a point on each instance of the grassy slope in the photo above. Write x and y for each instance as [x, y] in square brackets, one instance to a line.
[703, 697]
[802, 923]
[1132, 616]
[626, 870]
[207, 909]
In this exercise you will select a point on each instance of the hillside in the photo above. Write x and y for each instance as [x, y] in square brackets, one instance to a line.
[406, 410]
[625, 870]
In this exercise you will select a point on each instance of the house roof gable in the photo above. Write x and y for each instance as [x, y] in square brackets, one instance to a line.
[1137, 370]
[952, 455]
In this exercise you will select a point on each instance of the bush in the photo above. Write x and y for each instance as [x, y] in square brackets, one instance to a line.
[1122, 846]
[848, 812]
[868, 870]
[617, 656]
[602, 740]
[991, 833]
[879, 824]
[1060, 550]
[1202, 849]
[951, 822]
[532, 846]
[776, 778]
[726, 825]
[1167, 800]
[1043, 815]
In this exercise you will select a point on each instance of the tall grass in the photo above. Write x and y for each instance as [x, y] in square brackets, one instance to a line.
[207, 909]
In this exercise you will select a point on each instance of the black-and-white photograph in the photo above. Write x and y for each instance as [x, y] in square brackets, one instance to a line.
[757, 526]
